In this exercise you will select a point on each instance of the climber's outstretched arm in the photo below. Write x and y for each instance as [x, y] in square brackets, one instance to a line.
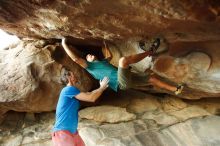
[73, 55]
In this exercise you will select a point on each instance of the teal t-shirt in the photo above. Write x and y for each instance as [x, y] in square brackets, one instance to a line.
[100, 69]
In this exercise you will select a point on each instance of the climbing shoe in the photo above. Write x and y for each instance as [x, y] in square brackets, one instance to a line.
[155, 45]
[152, 47]
[179, 89]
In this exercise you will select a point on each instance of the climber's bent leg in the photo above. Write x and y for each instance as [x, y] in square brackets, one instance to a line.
[124, 62]
[156, 82]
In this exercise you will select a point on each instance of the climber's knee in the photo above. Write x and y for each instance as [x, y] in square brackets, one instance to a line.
[123, 62]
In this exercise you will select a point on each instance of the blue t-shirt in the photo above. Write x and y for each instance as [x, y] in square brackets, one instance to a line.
[100, 69]
[67, 110]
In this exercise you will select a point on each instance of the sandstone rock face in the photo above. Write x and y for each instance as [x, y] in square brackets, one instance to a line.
[110, 114]
[30, 72]
[112, 20]
[193, 64]
[30, 77]
[200, 131]
[91, 22]
[172, 122]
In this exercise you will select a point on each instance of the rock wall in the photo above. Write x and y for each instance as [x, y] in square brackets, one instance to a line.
[90, 22]
[30, 76]
[112, 20]
[30, 71]
[130, 119]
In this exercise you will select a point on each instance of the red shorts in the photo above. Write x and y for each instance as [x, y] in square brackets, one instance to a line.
[65, 138]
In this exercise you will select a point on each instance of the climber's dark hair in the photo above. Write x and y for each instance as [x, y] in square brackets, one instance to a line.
[64, 74]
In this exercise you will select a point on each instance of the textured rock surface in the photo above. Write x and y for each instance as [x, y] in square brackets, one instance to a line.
[138, 133]
[112, 20]
[90, 22]
[200, 132]
[29, 73]
[109, 114]
[172, 123]
[193, 64]
[30, 77]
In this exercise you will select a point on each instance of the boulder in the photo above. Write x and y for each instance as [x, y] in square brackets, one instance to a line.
[30, 77]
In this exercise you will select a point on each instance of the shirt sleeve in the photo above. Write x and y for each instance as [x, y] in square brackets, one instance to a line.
[71, 92]
[88, 64]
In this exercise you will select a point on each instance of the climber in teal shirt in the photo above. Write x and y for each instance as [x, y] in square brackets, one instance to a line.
[121, 77]
[99, 69]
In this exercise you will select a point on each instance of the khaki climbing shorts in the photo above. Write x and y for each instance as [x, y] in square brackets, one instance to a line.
[128, 79]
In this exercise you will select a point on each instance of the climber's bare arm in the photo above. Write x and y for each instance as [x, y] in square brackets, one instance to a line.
[73, 55]
[107, 52]
[95, 94]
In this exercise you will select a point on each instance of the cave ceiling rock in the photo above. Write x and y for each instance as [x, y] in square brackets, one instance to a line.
[112, 20]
